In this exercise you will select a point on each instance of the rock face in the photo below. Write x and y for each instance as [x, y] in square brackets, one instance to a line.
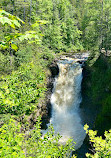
[54, 69]
[46, 106]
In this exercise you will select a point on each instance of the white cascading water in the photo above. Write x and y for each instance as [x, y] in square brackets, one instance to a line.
[65, 102]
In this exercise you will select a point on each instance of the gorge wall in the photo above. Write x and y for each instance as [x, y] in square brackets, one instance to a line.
[96, 94]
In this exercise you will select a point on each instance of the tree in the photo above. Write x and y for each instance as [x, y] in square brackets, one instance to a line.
[101, 147]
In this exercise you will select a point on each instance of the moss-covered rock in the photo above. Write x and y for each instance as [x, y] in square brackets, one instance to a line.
[96, 93]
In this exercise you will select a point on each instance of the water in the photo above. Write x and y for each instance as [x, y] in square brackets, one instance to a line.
[65, 102]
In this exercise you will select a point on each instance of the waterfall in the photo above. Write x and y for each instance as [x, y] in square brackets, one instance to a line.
[65, 102]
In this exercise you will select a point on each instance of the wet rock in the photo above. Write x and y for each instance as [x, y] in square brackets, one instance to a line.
[46, 106]
[54, 69]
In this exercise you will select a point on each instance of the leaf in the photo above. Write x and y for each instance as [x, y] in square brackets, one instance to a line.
[12, 20]
[4, 12]
[12, 25]
[3, 45]
[35, 25]
[42, 21]
[5, 20]
[14, 47]
[22, 37]
[30, 32]
[20, 20]
[16, 23]
[39, 22]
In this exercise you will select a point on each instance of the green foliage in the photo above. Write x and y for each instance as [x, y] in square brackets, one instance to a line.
[15, 143]
[5, 66]
[97, 88]
[8, 20]
[48, 145]
[60, 30]
[11, 20]
[20, 91]
[69, 25]
[58, 25]
[94, 21]
[23, 80]
[10, 39]
[11, 140]
[101, 147]
[94, 55]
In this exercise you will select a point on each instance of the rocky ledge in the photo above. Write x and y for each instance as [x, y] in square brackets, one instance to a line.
[44, 106]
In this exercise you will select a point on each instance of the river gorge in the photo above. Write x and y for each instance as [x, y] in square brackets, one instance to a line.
[65, 101]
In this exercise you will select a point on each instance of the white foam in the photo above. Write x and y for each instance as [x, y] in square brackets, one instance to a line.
[65, 102]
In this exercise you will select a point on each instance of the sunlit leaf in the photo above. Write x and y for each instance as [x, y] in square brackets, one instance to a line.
[16, 23]
[5, 20]
[14, 46]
